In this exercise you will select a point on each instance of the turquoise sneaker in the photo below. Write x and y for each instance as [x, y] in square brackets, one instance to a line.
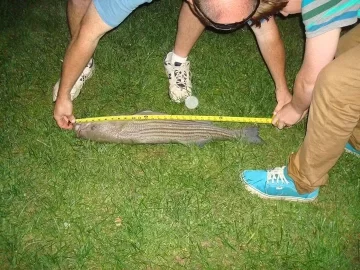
[275, 184]
[351, 150]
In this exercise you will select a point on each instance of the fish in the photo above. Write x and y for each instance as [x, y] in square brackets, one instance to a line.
[162, 132]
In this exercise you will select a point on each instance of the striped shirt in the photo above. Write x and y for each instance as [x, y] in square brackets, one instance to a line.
[320, 16]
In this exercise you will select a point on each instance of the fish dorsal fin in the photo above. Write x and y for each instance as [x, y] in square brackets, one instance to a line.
[148, 112]
[201, 143]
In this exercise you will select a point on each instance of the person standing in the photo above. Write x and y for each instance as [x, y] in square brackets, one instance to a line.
[333, 89]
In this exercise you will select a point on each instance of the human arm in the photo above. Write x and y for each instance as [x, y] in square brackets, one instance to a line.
[100, 17]
[77, 56]
[319, 51]
[273, 52]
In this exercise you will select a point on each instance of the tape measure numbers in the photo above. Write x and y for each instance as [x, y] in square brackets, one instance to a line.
[177, 117]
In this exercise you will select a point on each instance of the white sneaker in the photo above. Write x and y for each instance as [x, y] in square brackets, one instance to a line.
[179, 76]
[85, 75]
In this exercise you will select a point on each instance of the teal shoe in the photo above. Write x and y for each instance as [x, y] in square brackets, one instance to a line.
[352, 150]
[275, 184]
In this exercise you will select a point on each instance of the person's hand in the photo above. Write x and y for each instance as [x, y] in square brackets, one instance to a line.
[283, 97]
[63, 113]
[287, 116]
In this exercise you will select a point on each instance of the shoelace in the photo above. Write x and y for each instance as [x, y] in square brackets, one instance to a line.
[89, 65]
[181, 75]
[277, 175]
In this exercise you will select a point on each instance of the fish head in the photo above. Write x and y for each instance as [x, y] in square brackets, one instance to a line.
[82, 129]
[106, 131]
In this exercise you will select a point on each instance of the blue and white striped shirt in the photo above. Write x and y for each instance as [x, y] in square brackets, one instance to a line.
[320, 16]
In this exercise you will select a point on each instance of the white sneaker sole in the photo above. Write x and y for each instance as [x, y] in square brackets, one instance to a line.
[351, 152]
[270, 197]
[75, 91]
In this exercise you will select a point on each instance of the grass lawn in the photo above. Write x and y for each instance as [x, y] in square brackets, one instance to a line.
[74, 204]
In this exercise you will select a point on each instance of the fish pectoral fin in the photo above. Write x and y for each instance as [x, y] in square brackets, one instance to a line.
[202, 143]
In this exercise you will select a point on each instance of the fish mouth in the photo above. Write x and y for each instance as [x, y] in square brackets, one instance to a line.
[81, 128]
[76, 128]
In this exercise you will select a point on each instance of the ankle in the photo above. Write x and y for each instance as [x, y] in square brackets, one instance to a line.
[177, 58]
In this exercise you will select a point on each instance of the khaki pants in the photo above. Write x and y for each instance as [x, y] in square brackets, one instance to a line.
[334, 117]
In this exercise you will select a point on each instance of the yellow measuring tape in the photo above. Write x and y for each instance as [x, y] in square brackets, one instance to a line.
[177, 117]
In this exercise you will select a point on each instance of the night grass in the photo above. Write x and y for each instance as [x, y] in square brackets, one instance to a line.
[73, 204]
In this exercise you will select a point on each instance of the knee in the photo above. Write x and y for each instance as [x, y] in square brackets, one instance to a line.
[329, 75]
[330, 82]
[87, 33]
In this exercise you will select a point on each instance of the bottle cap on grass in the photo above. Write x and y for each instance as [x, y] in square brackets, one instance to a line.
[191, 102]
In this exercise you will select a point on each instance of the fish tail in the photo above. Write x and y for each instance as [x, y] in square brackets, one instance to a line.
[250, 134]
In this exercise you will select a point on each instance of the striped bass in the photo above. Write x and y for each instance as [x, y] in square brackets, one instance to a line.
[162, 132]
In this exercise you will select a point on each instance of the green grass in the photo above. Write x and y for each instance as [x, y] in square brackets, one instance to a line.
[73, 204]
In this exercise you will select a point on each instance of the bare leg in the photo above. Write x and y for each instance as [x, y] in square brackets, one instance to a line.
[78, 54]
[76, 10]
[81, 48]
[176, 67]
[189, 31]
